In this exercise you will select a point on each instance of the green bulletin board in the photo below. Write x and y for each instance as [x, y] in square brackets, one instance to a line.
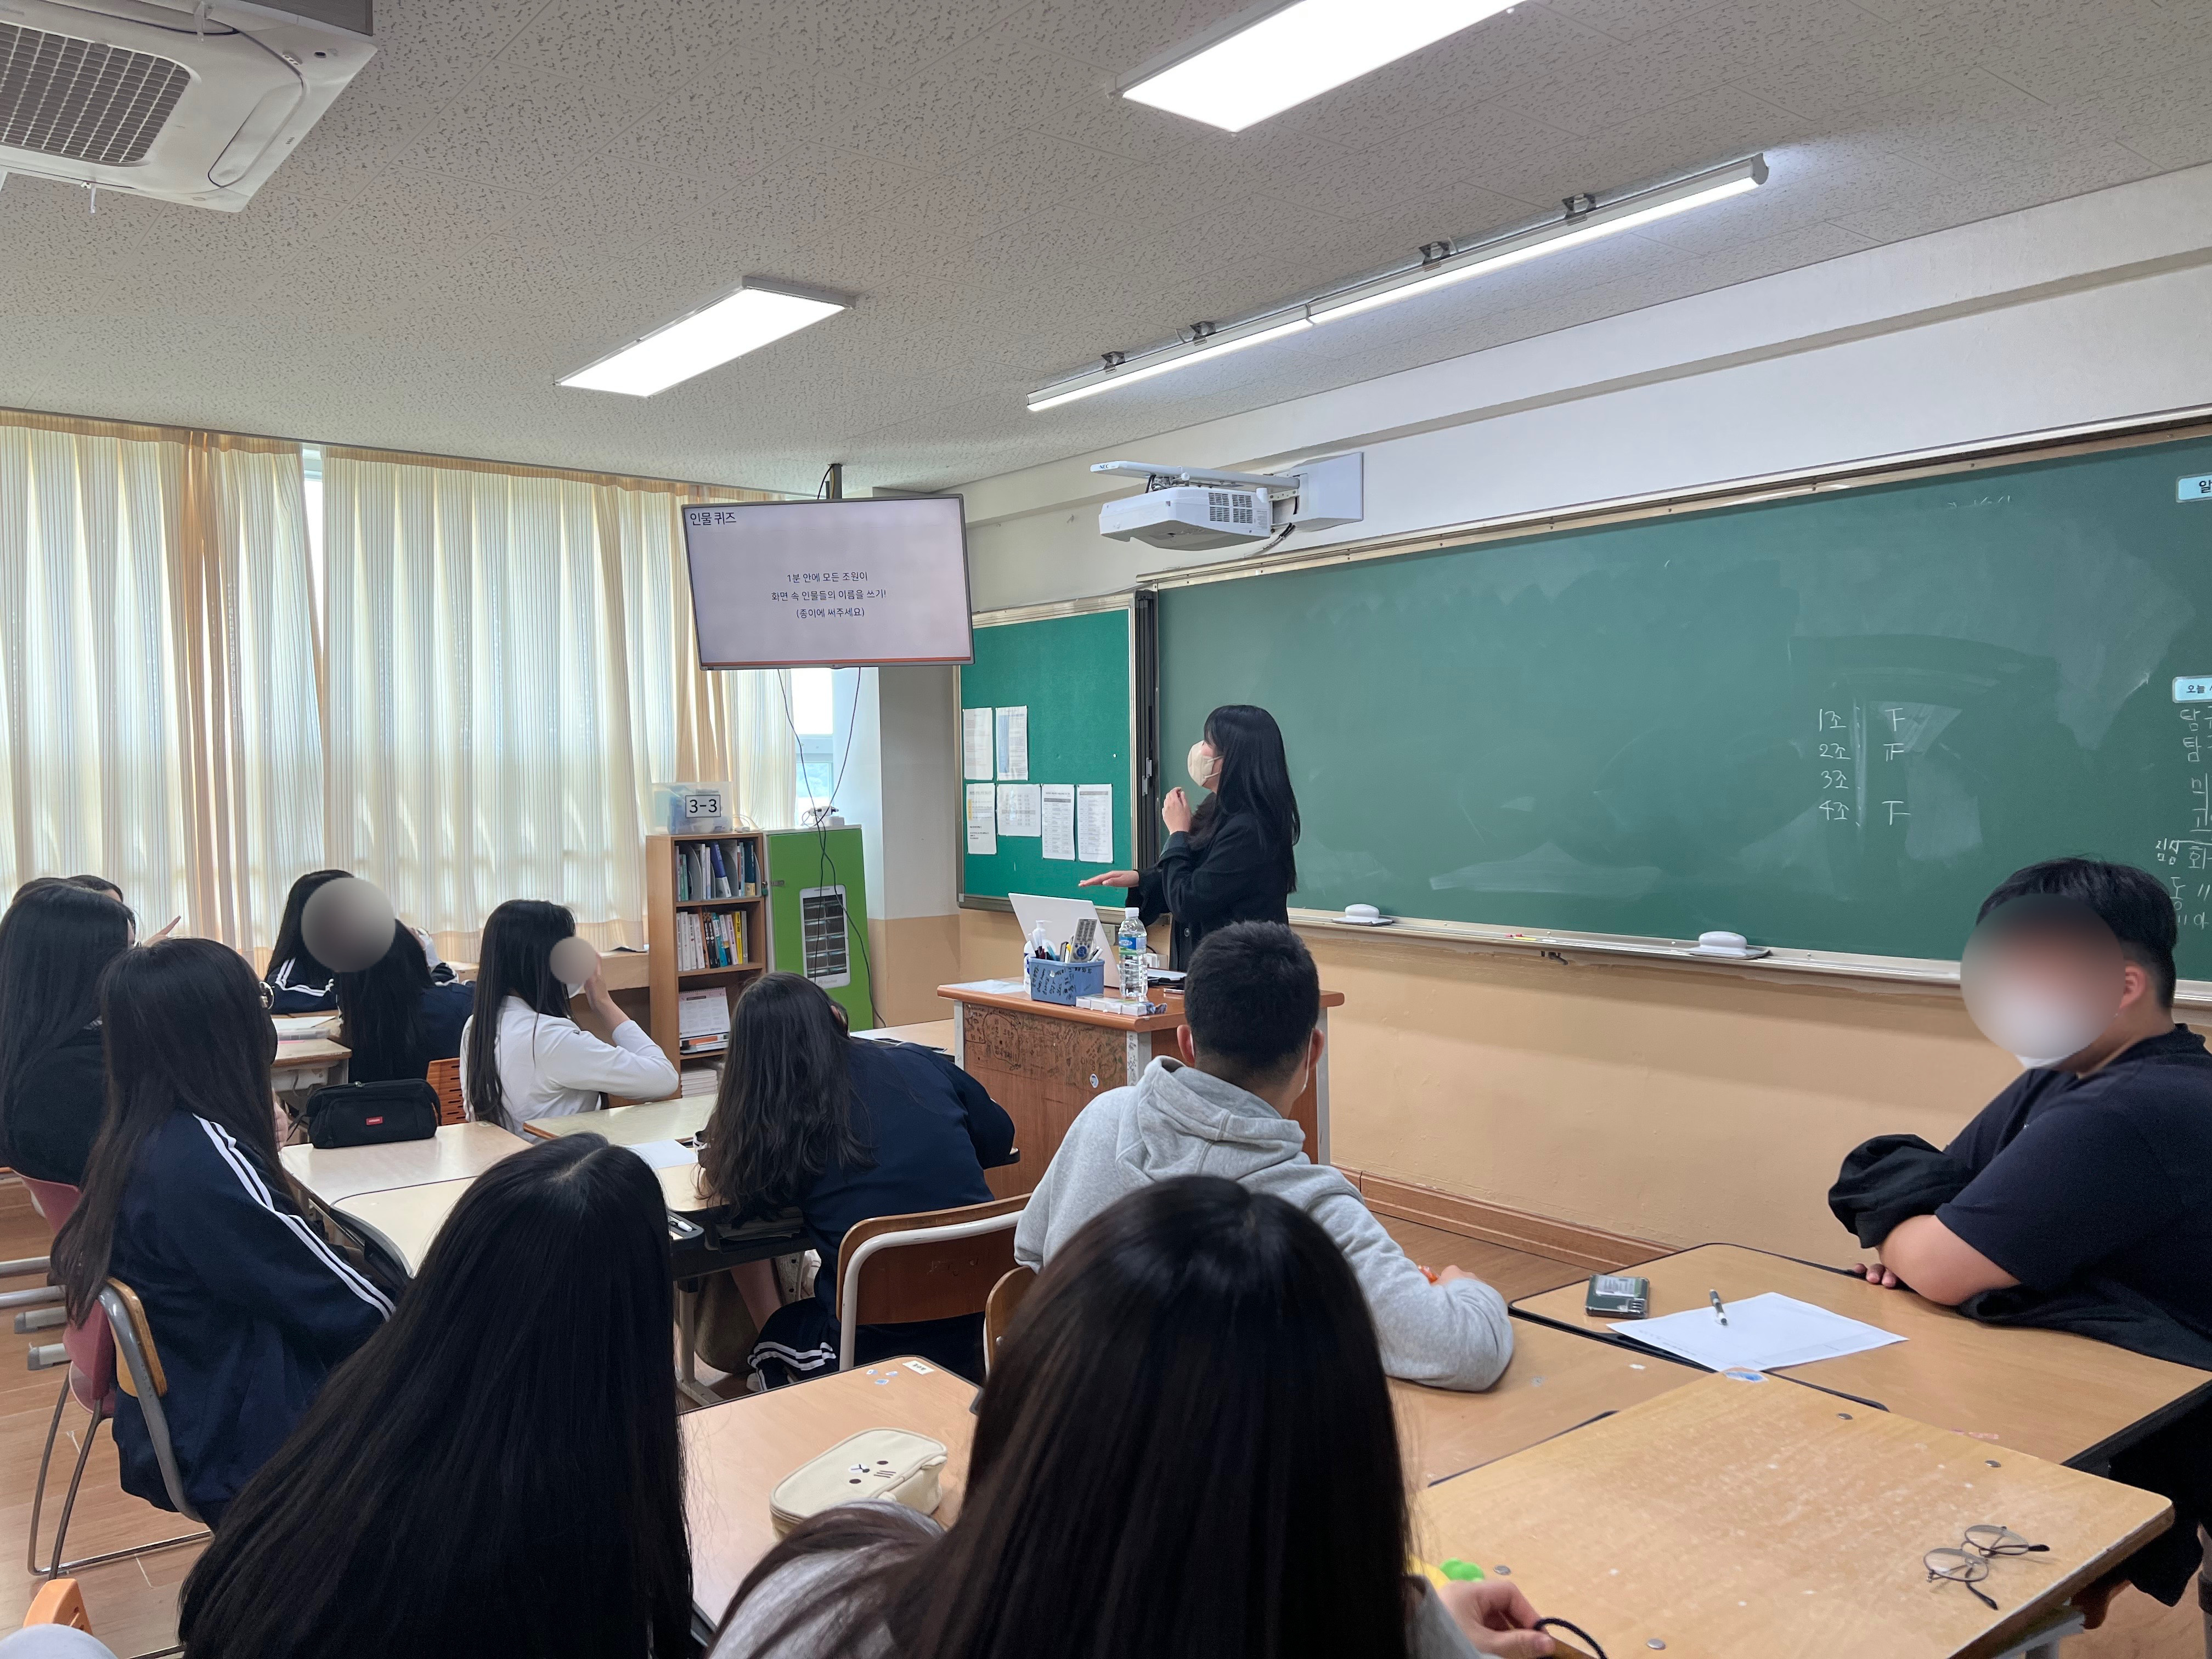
[1070, 674]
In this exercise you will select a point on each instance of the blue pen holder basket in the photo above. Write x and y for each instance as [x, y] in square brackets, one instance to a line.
[1064, 981]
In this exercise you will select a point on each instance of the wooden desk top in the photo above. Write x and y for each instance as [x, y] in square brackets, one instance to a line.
[630, 1126]
[1733, 1519]
[2066, 1398]
[734, 1455]
[935, 1033]
[307, 1052]
[406, 1218]
[1556, 1382]
[1020, 1002]
[458, 1151]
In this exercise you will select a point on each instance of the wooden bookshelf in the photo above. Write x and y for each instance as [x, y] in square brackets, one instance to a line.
[662, 909]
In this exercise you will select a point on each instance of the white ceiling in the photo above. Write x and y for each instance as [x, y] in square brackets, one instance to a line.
[513, 187]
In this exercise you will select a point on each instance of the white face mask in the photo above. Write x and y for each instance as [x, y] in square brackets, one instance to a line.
[1203, 767]
[2034, 1025]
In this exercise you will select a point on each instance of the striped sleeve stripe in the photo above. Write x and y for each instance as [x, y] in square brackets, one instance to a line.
[227, 1149]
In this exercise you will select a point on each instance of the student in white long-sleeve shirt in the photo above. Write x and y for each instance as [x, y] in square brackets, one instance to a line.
[522, 1057]
[1252, 1005]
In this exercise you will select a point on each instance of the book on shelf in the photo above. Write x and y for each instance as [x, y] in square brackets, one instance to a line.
[712, 939]
[703, 1022]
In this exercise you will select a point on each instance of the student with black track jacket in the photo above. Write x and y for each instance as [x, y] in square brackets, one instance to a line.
[56, 940]
[183, 1200]
[844, 1129]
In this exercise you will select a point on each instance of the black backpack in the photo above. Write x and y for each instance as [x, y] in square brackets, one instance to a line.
[371, 1114]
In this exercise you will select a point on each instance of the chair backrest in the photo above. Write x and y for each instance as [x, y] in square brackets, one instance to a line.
[140, 1375]
[1005, 1299]
[90, 1346]
[445, 1077]
[939, 1264]
[60, 1602]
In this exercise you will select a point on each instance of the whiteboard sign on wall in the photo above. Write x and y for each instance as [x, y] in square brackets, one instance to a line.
[830, 584]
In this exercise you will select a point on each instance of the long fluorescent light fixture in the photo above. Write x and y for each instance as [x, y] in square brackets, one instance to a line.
[756, 313]
[1578, 224]
[1267, 58]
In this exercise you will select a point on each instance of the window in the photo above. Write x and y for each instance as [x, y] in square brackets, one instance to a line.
[814, 718]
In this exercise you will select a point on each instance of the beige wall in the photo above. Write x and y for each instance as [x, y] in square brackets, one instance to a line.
[913, 955]
[1681, 1105]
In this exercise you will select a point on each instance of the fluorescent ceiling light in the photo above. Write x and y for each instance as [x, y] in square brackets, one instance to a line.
[752, 317]
[1641, 208]
[1267, 58]
[1574, 227]
[1199, 350]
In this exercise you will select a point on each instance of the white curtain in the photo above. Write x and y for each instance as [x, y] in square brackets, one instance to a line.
[510, 669]
[158, 721]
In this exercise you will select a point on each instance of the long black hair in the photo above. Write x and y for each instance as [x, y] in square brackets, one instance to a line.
[56, 940]
[184, 1030]
[1185, 1451]
[785, 1110]
[1253, 777]
[499, 1469]
[516, 961]
[290, 946]
[380, 1007]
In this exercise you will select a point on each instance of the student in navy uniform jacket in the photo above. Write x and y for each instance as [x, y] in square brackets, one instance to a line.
[184, 1201]
[55, 941]
[396, 1019]
[846, 1129]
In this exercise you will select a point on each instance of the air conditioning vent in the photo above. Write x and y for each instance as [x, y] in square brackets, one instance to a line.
[821, 937]
[82, 101]
[167, 100]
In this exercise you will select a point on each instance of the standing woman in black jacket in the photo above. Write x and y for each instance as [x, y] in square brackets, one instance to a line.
[1229, 859]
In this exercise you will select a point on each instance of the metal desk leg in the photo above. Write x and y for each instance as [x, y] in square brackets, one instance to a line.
[687, 1327]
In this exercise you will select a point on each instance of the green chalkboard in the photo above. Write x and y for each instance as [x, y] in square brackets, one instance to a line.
[1072, 673]
[1830, 722]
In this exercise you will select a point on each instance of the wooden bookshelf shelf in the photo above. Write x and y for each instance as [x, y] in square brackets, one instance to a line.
[664, 915]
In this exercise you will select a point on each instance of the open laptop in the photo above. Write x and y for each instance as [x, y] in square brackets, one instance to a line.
[1058, 917]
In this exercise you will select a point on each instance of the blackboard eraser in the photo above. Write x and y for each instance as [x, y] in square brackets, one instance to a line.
[1725, 945]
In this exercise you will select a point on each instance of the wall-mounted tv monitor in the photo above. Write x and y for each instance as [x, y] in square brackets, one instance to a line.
[839, 584]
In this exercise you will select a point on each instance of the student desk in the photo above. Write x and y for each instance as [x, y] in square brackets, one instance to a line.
[2066, 1398]
[404, 1219]
[458, 1151]
[1045, 1063]
[1729, 1518]
[735, 1453]
[307, 1063]
[634, 1125]
[931, 1034]
[1556, 1382]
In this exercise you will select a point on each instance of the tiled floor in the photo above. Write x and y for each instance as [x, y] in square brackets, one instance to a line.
[133, 1603]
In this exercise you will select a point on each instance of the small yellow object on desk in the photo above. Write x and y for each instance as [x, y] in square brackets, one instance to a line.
[1453, 1571]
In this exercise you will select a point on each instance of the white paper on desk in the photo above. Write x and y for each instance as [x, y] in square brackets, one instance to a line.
[1020, 811]
[1094, 823]
[997, 987]
[664, 1154]
[982, 818]
[1763, 1334]
[299, 1027]
[1014, 743]
[976, 742]
[1057, 823]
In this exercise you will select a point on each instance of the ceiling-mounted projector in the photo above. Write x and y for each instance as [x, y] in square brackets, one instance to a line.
[1196, 509]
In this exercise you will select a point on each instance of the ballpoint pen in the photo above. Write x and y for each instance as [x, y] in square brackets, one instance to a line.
[1719, 1312]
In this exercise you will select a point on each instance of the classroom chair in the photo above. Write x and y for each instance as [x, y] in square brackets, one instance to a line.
[41, 1305]
[93, 1379]
[445, 1077]
[1005, 1300]
[58, 1627]
[939, 1264]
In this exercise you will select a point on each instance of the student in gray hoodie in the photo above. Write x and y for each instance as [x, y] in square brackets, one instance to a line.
[1251, 1036]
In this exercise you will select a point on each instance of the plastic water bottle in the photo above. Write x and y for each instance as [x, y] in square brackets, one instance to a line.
[1131, 943]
